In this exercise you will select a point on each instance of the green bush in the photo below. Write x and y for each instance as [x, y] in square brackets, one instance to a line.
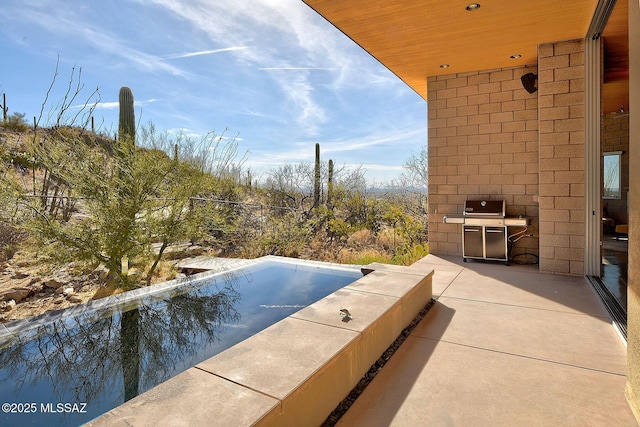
[10, 239]
[369, 257]
[18, 159]
[407, 255]
[284, 236]
[16, 123]
[133, 196]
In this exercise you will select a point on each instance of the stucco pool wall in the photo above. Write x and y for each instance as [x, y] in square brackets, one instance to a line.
[295, 372]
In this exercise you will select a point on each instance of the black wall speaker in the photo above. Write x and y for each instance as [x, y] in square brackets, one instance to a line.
[529, 82]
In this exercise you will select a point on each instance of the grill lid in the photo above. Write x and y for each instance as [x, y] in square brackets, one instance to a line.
[491, 208]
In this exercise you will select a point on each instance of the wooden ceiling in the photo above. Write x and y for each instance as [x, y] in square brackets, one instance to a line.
[413, 38]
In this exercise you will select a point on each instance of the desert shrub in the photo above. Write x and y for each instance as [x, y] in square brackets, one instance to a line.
[10, 196]
[283, 236]
[338, 229]
[385, 239]
[364, 257]
[16, 123]
[361, 239]
[389, 239]
[19, 159]
[407, 255]
[133, 197]
[319, 248]
[412, 230]
[360, 211]
[10, 239]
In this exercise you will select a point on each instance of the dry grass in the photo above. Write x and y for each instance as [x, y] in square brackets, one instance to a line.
[361, 239]
[363, 257]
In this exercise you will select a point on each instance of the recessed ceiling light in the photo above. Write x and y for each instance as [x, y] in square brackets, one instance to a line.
[516, 56]
[444, 66]
[473, 6]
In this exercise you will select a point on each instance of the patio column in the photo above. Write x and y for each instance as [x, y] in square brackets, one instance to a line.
[592, 124]
[633, 288]
[561, 114]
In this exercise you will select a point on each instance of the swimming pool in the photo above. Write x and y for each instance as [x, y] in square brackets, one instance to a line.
[80, 364]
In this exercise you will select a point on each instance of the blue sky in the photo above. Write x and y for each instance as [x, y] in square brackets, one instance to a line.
[272, 72]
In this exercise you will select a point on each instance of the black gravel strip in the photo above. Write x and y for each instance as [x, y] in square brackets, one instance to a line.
[344, 406]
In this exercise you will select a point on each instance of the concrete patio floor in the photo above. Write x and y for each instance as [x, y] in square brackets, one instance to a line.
[502, 346]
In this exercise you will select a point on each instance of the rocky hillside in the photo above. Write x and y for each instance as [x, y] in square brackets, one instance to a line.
[25, 290]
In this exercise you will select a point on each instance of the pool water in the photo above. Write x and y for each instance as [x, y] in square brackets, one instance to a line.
[77, 367]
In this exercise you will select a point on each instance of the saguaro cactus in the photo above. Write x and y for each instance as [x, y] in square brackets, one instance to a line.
[330, 183]
[316, 181]
[4, 108]
[127, 124]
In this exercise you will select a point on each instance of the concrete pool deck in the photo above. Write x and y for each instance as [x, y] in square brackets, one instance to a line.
[502, 346]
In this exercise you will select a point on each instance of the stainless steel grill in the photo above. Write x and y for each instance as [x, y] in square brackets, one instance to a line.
[485, 229]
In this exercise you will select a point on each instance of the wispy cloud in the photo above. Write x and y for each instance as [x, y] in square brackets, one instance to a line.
[295, 68]
[115, 47]
[205, 52]
[107, 105]
[64, 22]
[362, 143]
[115, 104]
[350, 149]
[269, 28]
[377, 167]
[184, 133]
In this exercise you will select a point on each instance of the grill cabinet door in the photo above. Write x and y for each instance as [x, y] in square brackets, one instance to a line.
[472, 245]
[496, 242]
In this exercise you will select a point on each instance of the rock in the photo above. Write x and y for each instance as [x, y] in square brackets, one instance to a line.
[36, 288]
[67, 291]
[53, 283]
[59, 279]
[17, 294]
[24, 283]
[19, 275]
[7, 305]
[101, 272]
[75, 299]
[24, 263]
